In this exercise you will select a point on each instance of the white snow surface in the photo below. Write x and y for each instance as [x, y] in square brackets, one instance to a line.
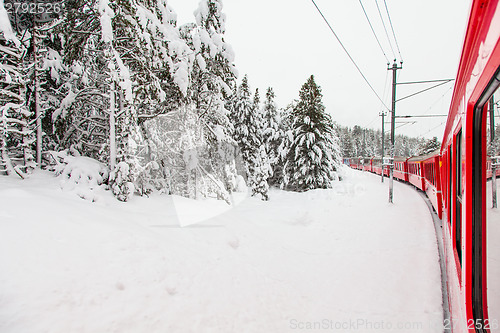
[344, 259]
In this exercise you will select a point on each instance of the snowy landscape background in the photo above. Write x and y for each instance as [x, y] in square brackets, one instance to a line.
[158, 106]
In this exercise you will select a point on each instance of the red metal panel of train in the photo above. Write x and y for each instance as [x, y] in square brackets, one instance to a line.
[368, 164]
[377, 166]
[415, 175]
[432, 177]
[401, 168]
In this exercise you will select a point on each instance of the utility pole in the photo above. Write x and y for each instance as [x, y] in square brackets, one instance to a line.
[394, 70]
[383, 141]
[493, 153]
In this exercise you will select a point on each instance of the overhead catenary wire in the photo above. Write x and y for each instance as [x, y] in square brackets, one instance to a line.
[424, 114]
[432, 129]
[373, 31]
[371, 121]
[348, 54]
[439, 99]
[392, 28]
[385, 93]
[421, 91]
[385, 29]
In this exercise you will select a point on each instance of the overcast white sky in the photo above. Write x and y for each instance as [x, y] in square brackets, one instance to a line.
[280, 43]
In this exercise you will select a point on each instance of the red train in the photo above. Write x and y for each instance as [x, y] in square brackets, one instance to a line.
[421, 171]
[460, 182]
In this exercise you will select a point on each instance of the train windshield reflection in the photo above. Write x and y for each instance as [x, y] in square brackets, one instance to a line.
[492, 212]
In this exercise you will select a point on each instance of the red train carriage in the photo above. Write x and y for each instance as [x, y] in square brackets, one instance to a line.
[353, 163]
[356, 163]
[415, 174]
[489, 172]
[377, 166]
[470, 225]
[400, 169]
[432, 178]
[368, 164]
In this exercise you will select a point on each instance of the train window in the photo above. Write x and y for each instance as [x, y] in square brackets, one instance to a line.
[492, 133]
[485, 255]
[458, 195]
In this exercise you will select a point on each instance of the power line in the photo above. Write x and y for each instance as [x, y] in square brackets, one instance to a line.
[440, 98]
[423, 116]
[345, 50]
[371, 122]
[384, 94]
[426, 81]
[373, 31]
[385, 29]
[432, 129]
[421, 91]
[392, 28]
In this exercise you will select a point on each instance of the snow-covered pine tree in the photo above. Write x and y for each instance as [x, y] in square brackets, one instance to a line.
[16, 132]
[260, 173]
[272, 133]
[285, 129]
[314, 154]
[259, 165]
[245, 120]
[249, 126]
[213, 72]
[428, 146]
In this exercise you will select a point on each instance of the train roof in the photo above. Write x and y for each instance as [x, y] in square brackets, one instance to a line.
[424, 157]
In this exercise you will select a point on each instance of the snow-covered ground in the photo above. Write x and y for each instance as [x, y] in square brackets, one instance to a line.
[335, 260]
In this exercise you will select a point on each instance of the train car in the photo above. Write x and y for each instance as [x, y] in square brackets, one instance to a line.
[354, 162]
[377, 166]
[368, 166]
[471, 227]
[401, 168]
[415, 172]
[432, 178]
[489, 171]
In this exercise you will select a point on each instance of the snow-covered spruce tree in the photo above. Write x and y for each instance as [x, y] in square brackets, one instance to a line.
[259, 166]
[249, 126]
[273, 134]
[314, 154]
[16, 131]
[245, 120]
[429, 146]
[260, 173]
[286, 141]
